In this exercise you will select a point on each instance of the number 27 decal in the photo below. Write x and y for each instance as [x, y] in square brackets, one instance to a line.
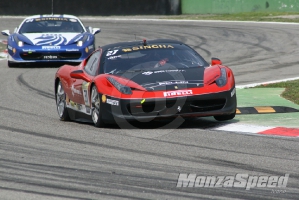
[111, 53]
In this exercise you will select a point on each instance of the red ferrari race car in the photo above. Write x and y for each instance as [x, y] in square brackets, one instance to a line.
[142, 81]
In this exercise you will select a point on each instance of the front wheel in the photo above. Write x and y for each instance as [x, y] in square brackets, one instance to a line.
[96, 113]
[61, 103]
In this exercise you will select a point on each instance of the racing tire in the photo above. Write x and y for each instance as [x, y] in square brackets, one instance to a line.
[12, 64]
[96, 113]
[225, 117]
[61, 103]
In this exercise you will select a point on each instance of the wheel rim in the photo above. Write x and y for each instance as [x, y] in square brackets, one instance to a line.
[95, 105]
[60, 100]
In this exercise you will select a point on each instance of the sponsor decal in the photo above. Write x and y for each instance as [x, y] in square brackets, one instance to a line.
[75, 91]
[177, 93]
[175, 83]
[75, 105]
[147, 73]
[49, 57]
[109, 101]
[168, 71]
[10, 47]
[79, 107]
[112, 102]
[163, 71]
[172, 82]
[114, 57]
[244, 181]
[85, 86]
[51, 18]
[28, 50]
[50, 47]
[72, 50]
[154, 46]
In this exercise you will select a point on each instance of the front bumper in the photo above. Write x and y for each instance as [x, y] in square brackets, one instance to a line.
[31, 54]
[223, 103]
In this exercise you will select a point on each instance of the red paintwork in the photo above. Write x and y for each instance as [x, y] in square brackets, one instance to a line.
[105, 87]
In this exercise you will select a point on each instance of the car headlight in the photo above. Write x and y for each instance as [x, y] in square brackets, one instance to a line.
[222, 80]
[122, 88]
[81, 41]
[19, 42]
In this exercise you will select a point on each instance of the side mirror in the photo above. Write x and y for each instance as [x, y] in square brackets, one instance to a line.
[5, 32]
[79, 74]
[89, 29]
[216, 61]
[96, 30]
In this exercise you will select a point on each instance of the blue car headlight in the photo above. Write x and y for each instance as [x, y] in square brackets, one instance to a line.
[81, 41]
[122, 88]
[222, 80]
[19, 42]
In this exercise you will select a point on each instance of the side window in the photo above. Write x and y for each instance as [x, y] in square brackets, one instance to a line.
[92, 64]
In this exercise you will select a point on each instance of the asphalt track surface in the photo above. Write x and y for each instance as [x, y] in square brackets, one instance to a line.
[44, 158]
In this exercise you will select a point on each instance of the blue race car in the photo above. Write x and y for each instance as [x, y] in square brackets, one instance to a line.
[50, 39]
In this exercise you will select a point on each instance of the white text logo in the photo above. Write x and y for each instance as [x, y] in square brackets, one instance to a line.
[244, 181]
[177, 93]
[50, 47]
[112, 102]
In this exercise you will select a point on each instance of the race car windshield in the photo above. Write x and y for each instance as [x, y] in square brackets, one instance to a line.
[151, 57]
[49, 25]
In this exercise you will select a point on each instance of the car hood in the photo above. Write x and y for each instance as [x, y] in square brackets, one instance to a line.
[168, 79]
[56, 39]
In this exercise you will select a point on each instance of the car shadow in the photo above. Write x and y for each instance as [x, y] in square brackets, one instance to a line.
[188, 123]
[42, 65]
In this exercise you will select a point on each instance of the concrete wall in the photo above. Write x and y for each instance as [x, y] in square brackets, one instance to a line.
[90, 7]
[236, 6]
